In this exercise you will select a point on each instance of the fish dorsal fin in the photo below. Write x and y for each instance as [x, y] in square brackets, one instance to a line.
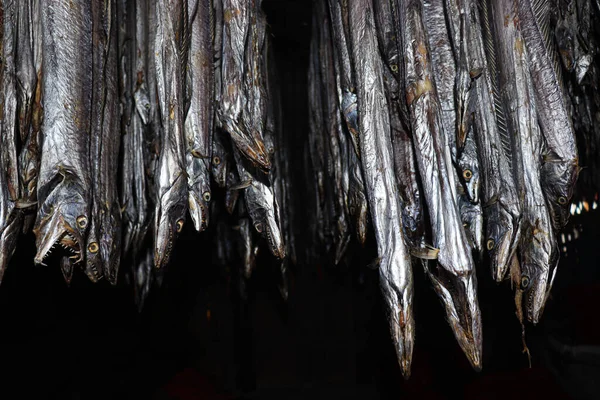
[492, 67]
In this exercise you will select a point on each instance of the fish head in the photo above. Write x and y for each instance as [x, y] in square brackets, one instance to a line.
[93, 260]
[470, 178]
[537, 277]
[499, 240]
[267, 225]
[63, 219]
[399, 300]
[169, 220]
[219, 167]
[259, 156]
[558, 182]
[458, 293]
[472, 219]
[199, 202]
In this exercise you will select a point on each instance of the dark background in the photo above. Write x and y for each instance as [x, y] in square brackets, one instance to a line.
[197, 339]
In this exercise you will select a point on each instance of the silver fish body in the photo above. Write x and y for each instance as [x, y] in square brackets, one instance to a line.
[199, 121]
[395, 269]
[172, 196]
[454, 281]
[64, 186]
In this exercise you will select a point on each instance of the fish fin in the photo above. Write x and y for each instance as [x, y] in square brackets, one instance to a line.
[24, 204]
[241, 185]
[426, 252]
[542, 12]
[492, 69]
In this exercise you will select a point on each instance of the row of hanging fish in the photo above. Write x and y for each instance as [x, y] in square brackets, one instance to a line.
[446, 130]
[117, 118]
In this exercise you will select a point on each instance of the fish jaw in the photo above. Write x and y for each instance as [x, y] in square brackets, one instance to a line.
[537, 295]
[57, 231]
[558, 183]
[198, 207]
[401, 321]
[274, 238]
[253, 150]
[169, 220]
[501, 236]
[459, 297]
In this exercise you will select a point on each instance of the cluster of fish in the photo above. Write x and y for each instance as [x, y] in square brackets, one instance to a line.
[116, 117]
[449, 126]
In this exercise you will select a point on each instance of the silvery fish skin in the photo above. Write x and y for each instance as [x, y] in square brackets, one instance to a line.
[140, 135]
[172, 196]
[231, 107]
[101, 21]
[455, 280]
[459, 24]
[405, 167]
[25, 69]
[537, 249]
[377, 161]
[64, 185]
[406, 172]
[444, 69]
[346, 89]
[560, 165]
[199, 121]
[110, 209]
[9, 91]
[31, 93]
[333, 130]
[501, 206]
[261, 205]
[10, 223]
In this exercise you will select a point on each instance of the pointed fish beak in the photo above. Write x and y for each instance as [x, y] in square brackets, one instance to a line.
[198, 212]
[459, 297]
[400, 314]
[163, 245]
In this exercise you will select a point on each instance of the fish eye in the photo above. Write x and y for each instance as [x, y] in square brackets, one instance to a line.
[206, 196]
[82, 221]
[467, 174]
[394, 68]
[271, 150]
[93, 247]
[216, 160]
[525, 282]
[258, 226]
[179, 225]
[490, 244]
[562, 200]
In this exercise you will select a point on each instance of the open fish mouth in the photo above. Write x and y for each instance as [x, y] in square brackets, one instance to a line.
[64, 240]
